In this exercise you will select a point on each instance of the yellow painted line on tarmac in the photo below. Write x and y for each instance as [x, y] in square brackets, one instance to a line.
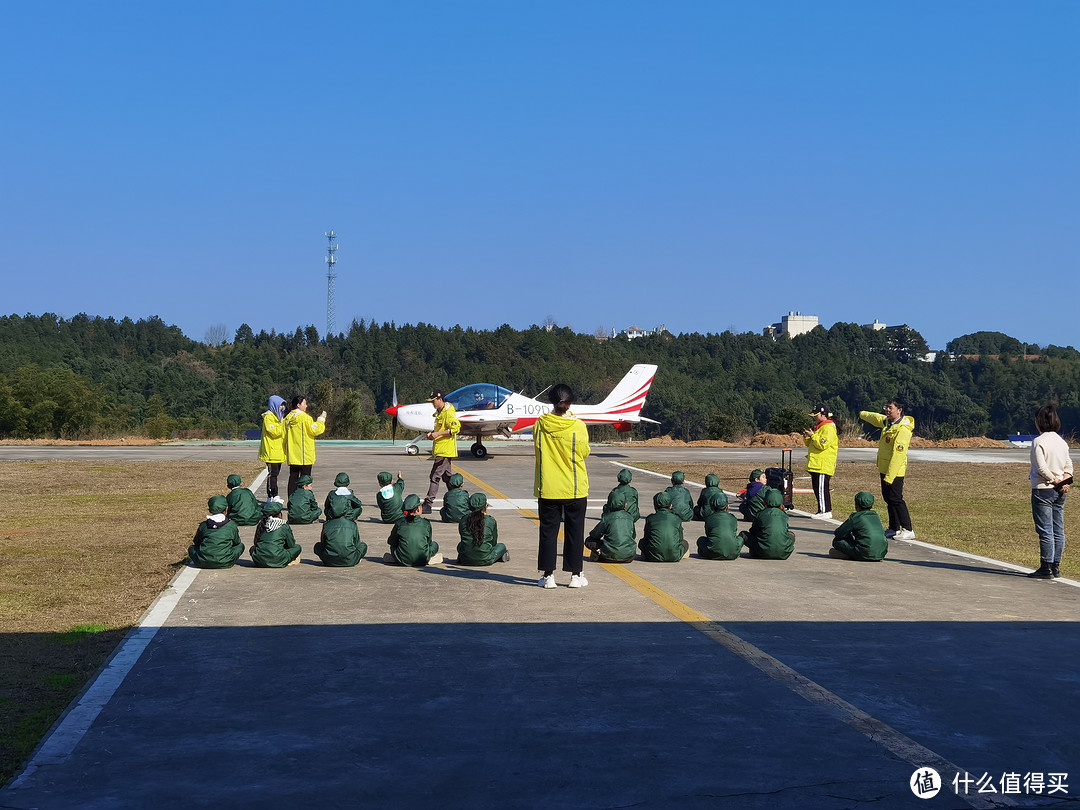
[472, 479]
[877, 731]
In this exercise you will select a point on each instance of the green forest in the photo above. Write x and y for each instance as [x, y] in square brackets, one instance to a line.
[89, 377]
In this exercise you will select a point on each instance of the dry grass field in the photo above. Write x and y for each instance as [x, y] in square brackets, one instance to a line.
[84, 549]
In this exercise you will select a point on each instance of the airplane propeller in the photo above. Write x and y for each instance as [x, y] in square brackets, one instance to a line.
[393, 423]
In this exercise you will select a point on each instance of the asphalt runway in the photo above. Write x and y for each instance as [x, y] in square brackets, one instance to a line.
[810, 682]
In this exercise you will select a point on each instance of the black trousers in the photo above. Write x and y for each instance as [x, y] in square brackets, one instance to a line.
[894, 499]
[295, 471]
[570, 513]
[820, 482]
[272, 470]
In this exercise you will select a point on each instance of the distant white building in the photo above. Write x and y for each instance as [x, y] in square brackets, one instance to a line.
[793, 324]
[636, 332]
[876, 325]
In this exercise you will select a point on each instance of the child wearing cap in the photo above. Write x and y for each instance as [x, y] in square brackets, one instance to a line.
[274, 545]
[753, 497]
[217, 540]
[339, 543]
[629, 494]
[861, 536]
[479, 533]
[410, 539]
[682, 502]
[354, 508]
[302, 507]
[662, 540]
[712, 487]
[769, 537]
[389, 497]
[613, 538]
[821, 447]
[721, 540]
[243, 506]
[456, 500]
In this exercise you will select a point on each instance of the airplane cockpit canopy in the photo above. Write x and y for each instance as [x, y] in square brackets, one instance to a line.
[478, 397]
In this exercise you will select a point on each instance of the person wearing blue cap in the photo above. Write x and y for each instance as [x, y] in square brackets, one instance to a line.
[272, 445]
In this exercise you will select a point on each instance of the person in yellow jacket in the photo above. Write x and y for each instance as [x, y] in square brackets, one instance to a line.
[443, 447]
[821, 445]
[272, 445]
[892, 463]
[300, 432]
[561, 486]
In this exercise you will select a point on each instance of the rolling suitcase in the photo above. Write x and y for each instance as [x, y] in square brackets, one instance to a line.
[783, 478]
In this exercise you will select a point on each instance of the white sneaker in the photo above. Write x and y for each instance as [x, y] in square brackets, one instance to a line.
[822, 516]
[904, 534]
[278, 499]
[436, 558]
[578, 581]
[547, 582]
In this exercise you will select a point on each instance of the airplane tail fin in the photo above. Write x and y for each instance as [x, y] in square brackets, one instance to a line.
[628, 397]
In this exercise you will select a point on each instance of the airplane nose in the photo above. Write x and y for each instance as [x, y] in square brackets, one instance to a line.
[393, 409]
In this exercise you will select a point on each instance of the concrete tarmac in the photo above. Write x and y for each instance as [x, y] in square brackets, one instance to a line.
[811, 682]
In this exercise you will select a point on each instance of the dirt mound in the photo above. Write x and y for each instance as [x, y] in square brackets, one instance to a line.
[794, 440]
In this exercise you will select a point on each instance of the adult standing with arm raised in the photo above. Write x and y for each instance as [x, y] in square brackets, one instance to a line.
[443, 446]
[300, 433]
[896, 430]
[821, 448]
[1051, 474]
[272, 445]
[561, 486]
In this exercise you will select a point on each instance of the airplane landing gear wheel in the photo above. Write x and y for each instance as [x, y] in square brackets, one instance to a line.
[479, 450]
[412, 450]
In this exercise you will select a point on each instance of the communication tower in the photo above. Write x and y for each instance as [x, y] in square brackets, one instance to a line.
[331, 260]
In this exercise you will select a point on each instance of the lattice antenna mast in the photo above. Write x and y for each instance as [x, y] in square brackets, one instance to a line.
[331, 260]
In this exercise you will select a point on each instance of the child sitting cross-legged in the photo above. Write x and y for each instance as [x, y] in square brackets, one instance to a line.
[389, 497]
[341, 490]
[662, 540]
[721, 540]
[769, 537]
[217, 540]
[410, 540]
[456, 500]
[861, 536]
[339, 543]
[479, 543]
[613, 538]
[243, 505]
[302, 507]
[274, 545]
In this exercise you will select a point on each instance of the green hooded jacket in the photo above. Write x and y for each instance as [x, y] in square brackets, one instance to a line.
[456, 500]
[769, 537]
[389, 500]
[339, 544]
[712, 487]
[662, 539]
[353, 508]
[410, 541]
[217, 542]
[615, 536]
[861, 536]
[682, 502]
[489, 550]
[303, 508]
[721, 540]
[273, 547]
[244, 509]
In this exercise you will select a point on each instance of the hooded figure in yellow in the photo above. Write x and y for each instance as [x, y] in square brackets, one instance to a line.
[300, 432]
[561, 486]
[272, 444]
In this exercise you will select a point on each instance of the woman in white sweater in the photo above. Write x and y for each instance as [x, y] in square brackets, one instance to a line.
[1051, 474]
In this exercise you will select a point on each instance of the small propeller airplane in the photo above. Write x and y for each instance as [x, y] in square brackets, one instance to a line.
[487, 410]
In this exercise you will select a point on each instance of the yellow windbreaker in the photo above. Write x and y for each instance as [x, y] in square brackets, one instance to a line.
[300, 433]
[446, 419]
[562, 445]
[272, 445]
[893, 445]
[822, 447]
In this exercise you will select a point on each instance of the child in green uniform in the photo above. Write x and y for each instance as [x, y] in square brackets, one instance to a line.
[479, 544]
[456, 500]
[662, 540]
[217, 540]
[389, 497]
[628, 492]
[339, 543]
[341, 490]
[612, 539]
[410, 539]
[302, 506]
[274, 546]
[243, 505]
[721, 540]
[712, 487]
[682, 502]
[861, 536]
[769, 537]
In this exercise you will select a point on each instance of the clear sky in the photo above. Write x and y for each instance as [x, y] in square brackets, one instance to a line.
[707, 165]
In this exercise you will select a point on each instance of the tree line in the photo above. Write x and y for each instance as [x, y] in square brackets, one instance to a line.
[92, 376]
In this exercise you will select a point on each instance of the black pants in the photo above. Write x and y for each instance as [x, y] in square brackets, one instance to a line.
[820, 482]
[894, 499]
[570, 512]
[295, 471]
[272, 470]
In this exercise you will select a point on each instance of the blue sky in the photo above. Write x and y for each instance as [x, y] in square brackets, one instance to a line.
[705, 165]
